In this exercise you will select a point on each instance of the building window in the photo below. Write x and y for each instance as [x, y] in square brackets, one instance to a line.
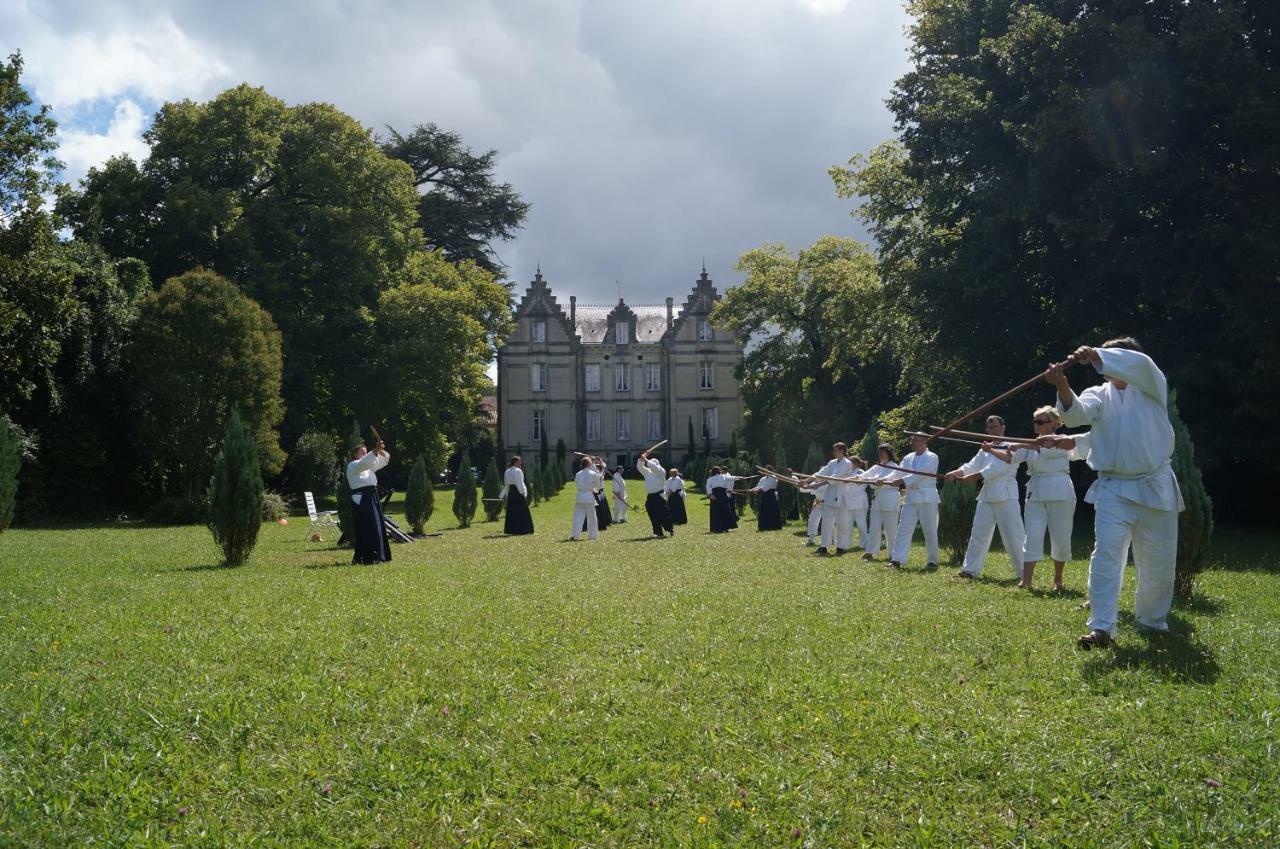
[705, 333]
[593, 378]
[622, 377]
[624, 425]
[706, 375]
[538, 330]
[652, 377]
[622, 332]
[710, 423]
[653, 419]
[538, 377]
[593, 425]
[539, 425]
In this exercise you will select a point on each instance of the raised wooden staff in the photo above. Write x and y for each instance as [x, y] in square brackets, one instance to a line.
[654, 448]
[964, 441]
[1004, 396]
[912, 471]
[986, 437]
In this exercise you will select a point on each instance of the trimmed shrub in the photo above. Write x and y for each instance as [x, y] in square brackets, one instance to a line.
[955, 518]
[1195, 524]
[419, 498]
[276, 506]
[464, 493]
[235, 494]
[492, 489]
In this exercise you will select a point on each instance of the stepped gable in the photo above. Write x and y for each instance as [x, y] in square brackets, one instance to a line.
[538, 302]
[699, 303]
[594, 323]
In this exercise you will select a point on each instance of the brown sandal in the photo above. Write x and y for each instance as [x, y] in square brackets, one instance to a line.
[1094, 639]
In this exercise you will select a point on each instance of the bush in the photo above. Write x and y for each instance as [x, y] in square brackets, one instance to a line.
[177, 510]
[235, 494]
[276, 506]
[1195, 524]
[869, 449]
[464, 493]
[955, 518]
[419, 497]
[313, 464]
[9, 464]
[492, 489]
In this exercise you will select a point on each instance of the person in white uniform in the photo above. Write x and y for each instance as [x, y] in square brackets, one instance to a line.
[920, 504]
[1136, 497]
[675, 497]
[655, 484]
[818, 511]
[586, 481]
[369, 535]
[837, 506]
[1051, 497]
[857, 500]
[997, 503]
[619, 485]
[885, 504]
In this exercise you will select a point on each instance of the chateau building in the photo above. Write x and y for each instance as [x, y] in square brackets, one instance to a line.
[613, 380]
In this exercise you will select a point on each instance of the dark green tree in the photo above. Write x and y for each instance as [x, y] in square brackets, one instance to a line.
[544, 453]
[28, 168]
[464, 493]
[313, 463]
[869, 449]
[533, 480]
[1195, 523]
[418, 497]
[346, 510]
[9, 465]
[492, 490]
[463, 209]
[955, 518]
[235, 493]
[200, 348]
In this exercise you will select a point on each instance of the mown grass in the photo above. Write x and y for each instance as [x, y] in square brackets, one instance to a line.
[696, 691]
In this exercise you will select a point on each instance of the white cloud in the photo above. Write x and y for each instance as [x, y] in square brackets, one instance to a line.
[824, 7]
[80, 150]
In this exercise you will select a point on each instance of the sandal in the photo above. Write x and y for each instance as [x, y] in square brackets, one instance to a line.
[1094, 639]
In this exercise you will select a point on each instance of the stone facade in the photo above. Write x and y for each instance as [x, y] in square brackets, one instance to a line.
[614, 380]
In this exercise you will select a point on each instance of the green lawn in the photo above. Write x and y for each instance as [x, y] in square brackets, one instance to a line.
[727, 690]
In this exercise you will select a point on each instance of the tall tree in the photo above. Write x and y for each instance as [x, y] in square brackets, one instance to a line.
[201, 348]
[9, 465]
[419, 500]
[462, 209]
[1070, 171]
[28, 168]
[235, 493]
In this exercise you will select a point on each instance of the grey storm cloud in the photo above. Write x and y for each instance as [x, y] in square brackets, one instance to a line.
[647, 135]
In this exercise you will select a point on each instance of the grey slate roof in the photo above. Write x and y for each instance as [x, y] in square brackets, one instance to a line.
[592, 322]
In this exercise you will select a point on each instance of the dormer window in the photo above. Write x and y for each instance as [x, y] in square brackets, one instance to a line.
[538, 330]
[705, 332]
[621, 332]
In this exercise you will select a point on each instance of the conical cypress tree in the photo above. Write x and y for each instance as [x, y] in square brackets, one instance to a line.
[562, 452]
[1195, 524]
[418, 496]
[346, 510]
[235, 494]
[868, 450]
[464, 492]
[492, 489]
[533, 481]
[955, 518]
[9, 465]
[544, 454]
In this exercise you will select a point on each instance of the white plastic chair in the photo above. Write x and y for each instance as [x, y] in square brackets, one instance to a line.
[326, 519]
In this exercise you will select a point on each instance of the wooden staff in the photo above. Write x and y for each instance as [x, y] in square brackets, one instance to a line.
[1004, 396]
[780, 476]
[377, 438]
[947, 438]
[654, 448]
[911, 471]
[986, 437]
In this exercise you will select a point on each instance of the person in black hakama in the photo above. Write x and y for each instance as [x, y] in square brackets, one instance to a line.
[655, 500]
[723, 516]
[769, 514]
[519, 520]
[370, 535]
[675, 498]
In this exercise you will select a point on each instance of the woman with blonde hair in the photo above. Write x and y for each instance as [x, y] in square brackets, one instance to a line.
[1051, 497]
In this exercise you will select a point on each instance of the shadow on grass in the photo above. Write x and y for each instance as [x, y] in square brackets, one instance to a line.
[1203, 605]
[204, 567]
[336, 564]
[1176, 656]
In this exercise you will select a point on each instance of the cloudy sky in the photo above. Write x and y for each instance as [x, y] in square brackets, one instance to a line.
[647, 135]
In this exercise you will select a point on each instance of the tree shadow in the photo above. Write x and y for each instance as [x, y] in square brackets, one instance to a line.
[645, 539]
[335, 564]
[204, 567]
[1176, 655]
[1201, 604]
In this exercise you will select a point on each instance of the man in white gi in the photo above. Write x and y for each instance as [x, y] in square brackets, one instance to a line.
[997, 504]
[837, 513]
[619, 497]
[1136, 498]
[587, 481]
[920, 504]
[655, 503]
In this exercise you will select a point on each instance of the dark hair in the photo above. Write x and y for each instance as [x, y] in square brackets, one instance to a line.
[514, 460]
[888, 449]
[997, 418]
[714, 470]
[586, 461]
[857, 461]
[1126, 342]
[673, 472]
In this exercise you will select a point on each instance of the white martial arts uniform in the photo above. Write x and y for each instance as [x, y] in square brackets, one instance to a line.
[675, 485]
[619, 498]
[362, 472]
[921, 505]
[587, 482]
[1136, 497]
[513, 476]
[885, 505]
[997, 506]
[857, 493]
[818, 512]
[1051, 500]
[837, 511]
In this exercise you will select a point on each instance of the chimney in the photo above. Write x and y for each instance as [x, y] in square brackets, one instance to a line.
[573, 310]
[670, 302]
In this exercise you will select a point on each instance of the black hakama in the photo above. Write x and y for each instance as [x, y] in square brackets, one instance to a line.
[369, 534]
[769, 514]
[675, 507]
[723, 517]
[656, 506]
[519, 520]
[602, 512]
